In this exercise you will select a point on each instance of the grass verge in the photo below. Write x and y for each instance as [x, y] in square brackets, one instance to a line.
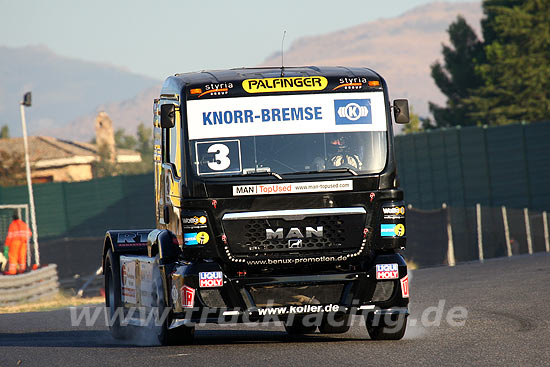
[60, 300]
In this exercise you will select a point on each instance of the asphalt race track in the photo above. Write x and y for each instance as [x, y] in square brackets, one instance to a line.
[507, 303]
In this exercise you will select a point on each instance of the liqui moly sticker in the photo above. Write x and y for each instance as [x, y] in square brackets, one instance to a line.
[187, 297]
[293, 188]
[405, 286]
[387, 271]
[209, 279]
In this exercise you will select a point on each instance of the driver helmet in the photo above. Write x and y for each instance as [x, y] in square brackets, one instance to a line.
[339, 143]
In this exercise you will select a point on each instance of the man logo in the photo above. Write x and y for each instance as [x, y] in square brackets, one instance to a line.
[352, 111]
[295, 244]
[293, 233]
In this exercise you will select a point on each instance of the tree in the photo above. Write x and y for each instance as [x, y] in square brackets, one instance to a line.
[142, 142]
[490, 10]
[145, 145]
[456, 78]
[516, 72]
[104, 166]
[4, 132]
[12, 169]
[124, 141]
[417, 123]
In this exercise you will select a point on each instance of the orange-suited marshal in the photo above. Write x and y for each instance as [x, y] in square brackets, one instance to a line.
[17, 239]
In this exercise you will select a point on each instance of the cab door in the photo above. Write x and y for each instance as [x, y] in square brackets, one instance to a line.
[168, 171]
[157, 162]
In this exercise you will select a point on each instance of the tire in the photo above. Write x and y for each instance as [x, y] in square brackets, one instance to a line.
[296, 327]
[181, 335]
[382, 331]
[113, 295]
[342, 326]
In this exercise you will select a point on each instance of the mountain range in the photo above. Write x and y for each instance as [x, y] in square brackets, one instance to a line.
[64, 91]
[68, 93]
[401, 49]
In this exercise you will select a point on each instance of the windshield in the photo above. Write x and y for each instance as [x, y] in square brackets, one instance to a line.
[362, 152]
[289, 134]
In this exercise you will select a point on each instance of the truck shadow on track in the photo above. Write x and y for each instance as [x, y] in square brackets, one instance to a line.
[218, 337]
[103, 339]
[69, 338]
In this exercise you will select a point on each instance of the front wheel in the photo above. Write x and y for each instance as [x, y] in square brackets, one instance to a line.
[113, 298]
[387, 327]
[177, 336]
[335, 324]
[182, 335]
[297, 327]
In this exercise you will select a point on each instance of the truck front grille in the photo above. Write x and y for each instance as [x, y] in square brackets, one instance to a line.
[255, 235]
[279, 234]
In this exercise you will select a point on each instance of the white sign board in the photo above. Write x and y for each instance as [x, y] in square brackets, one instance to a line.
[288, 114]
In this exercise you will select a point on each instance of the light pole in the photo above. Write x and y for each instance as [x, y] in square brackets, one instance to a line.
[27, 101]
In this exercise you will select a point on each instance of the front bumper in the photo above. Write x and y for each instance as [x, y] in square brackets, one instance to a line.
[241, 298]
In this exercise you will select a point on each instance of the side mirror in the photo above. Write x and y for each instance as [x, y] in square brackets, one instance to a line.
[401, 111]
[167, 116]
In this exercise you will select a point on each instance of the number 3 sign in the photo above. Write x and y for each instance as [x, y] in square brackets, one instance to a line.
[214, 157]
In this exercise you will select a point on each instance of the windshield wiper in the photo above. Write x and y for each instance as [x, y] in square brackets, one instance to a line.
[263, 173]
[331, 170]
[339, 169]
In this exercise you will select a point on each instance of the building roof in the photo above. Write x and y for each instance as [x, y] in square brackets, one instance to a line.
[46, 152]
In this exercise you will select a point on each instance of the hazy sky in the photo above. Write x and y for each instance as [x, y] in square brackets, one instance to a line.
[159, 38]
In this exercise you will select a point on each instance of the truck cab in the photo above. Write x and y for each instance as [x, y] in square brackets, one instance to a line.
[276, 195]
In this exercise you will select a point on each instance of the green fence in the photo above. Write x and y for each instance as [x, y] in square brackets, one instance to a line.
[494, 166]
[88, 208]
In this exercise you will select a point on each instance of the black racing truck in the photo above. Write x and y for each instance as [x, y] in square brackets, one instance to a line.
[276, 199]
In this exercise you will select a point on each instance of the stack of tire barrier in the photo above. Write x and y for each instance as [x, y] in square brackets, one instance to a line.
[36, 285]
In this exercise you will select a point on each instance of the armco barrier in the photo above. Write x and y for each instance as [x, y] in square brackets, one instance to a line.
[36, 285]
[450, 235]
